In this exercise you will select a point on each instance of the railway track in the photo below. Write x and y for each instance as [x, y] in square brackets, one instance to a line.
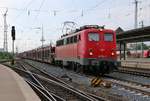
[129, 81]
[36, 85]
[102, 93]
[57, 86]
[134, 71]
[3, 61]
[138, 88]
[130, 85]
[42, 93]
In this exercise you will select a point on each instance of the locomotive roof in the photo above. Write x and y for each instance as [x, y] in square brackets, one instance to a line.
[78, 32]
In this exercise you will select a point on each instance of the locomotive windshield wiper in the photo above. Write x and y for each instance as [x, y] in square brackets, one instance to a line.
[92, 39]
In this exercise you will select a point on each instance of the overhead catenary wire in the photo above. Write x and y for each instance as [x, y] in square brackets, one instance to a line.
[47, 11]
[31, 1]
[36, 17]
[83, 11]
[86, 11]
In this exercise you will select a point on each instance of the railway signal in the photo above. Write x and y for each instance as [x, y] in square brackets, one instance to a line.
[13, 39]
[13, 32]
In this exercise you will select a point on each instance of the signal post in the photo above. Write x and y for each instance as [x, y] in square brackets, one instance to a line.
[13, 39]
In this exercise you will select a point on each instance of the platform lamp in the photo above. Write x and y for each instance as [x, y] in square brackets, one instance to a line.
[13, 40]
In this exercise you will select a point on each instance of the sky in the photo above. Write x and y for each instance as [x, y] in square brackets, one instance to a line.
[28, 17]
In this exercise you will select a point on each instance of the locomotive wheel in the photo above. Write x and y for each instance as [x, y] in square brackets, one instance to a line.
[95, 70]
[79, 68]
[56, 63]
[86, 69]
[74, 67]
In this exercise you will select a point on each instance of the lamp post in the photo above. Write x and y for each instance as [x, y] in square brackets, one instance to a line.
[42, 40]
[142, 25]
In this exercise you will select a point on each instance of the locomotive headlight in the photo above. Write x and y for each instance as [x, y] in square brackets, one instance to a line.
[91, 53]
[112, 53]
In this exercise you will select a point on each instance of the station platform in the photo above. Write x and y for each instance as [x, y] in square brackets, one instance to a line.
[146, 60]
[143, 63]
[14, 88]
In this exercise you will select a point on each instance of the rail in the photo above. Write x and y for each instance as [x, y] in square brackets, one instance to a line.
[48, 81]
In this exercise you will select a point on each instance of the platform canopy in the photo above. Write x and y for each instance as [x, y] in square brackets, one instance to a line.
[134, 35]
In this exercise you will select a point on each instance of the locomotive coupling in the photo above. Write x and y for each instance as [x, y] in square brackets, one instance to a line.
[100, 82]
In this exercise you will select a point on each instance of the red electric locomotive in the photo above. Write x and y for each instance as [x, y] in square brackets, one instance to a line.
[90, 48]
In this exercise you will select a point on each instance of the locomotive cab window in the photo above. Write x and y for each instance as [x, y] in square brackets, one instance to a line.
[93, 36]
[108, 37]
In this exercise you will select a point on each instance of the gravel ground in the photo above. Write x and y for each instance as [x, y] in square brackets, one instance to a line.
[83, 82]
[130, 77]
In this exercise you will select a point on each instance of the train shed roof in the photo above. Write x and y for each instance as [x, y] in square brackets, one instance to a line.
[134, 35]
